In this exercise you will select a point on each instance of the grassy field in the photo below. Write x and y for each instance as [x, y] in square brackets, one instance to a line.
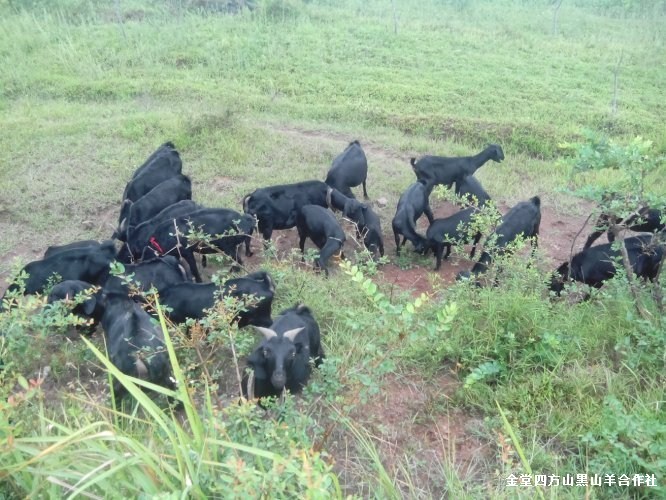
[408, 403]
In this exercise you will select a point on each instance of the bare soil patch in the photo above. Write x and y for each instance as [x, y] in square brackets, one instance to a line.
[413, 431]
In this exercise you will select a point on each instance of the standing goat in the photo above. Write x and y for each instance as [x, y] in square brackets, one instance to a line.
[523, 219]
[282, 360]
[447, 170]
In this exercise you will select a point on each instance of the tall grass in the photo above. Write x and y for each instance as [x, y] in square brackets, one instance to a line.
[185, 453]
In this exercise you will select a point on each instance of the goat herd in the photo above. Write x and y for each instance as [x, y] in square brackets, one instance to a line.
[161, 228]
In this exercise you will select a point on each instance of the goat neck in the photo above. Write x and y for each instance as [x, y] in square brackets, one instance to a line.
[478, 160]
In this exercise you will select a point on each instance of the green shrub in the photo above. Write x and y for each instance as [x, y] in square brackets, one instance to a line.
[630, 442]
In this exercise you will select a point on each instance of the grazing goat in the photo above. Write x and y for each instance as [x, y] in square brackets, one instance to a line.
[228, 229]
[282, 360]
[89, 309]
[158, 273]
[469, 188]
[320, 225]
[445, 232]
[277, 207]
[90, 263]
[191, 300]
[349, 169]
[165, 165]
[646, 219]
[54, 249]
[148, 164]
[413, 203]
[144, 231]
[164, 195]
[447, 170]
[134, 342]
[368, 225]
[523, 219]
[596, 264]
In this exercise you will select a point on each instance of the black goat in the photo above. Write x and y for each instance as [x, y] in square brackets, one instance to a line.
[349, 169]
[88, 309]
[469, 188]
[165, 165]
[164, 195]
[191, 300]
[158, 273]
[277, 207]
[148, 164]
[282, 360]
[54, 249]
[134, 342]
[523, 219]
[368, 225]
[413, 203]
[596, 264]
[144, 231]
[447, 170]
[320, 225]
[89, 263]
[228, 229]
[447, 231]
[647, 220]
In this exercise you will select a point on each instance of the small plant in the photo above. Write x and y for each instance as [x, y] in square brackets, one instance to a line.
[631, 442]
[484, 372]
[367, 263]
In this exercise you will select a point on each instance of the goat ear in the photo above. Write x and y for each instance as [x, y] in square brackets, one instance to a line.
[266, 332]
[291, 334]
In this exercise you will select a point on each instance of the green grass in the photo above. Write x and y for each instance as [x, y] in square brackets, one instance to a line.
[271, 96]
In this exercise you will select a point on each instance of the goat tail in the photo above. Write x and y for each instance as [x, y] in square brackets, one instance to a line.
[536, 201]
[300, 307]
[413, 162]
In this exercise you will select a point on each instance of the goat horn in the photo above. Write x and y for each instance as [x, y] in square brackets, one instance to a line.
[266, 332]
[291, 334]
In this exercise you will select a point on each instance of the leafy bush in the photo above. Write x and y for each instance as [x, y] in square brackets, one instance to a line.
[634, 162]
[630, 442]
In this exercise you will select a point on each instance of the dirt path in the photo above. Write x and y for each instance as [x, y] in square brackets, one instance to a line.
[374, 149]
